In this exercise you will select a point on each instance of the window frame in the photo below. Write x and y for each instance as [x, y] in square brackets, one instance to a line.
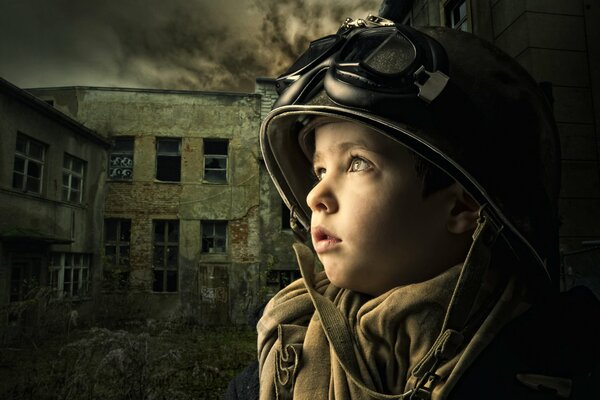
[216, 156]
[118, 243]
[465, 21]
[58, 274]
[126, 165]
[70, 173]
[204, 236]
[27, 159]
[165, 268]
[160, 153]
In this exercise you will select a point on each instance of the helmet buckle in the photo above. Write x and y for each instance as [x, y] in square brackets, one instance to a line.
[370, 21]
[430, 84]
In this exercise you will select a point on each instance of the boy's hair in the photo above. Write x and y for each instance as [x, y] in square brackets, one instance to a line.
[433, 178]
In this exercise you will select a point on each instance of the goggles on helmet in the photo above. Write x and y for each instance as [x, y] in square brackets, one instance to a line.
[394, 60]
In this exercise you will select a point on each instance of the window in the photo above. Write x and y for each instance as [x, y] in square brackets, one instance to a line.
[69, 274]
[121, 160]
[29, 164]
[214, 236]
[166, 252]
[117, 233]
[456, 13]
[168, 160]
[72, 186]
[285, 217]
[215, 160]
[281, 278]
[24, 277]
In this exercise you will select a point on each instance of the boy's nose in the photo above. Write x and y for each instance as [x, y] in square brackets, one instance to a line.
[321, 198]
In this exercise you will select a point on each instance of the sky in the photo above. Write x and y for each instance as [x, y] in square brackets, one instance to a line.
[220, 45]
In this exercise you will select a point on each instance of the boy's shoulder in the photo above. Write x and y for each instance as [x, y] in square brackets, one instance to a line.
[552, 344]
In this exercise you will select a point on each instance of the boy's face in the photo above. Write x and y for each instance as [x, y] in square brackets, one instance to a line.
[370, 226]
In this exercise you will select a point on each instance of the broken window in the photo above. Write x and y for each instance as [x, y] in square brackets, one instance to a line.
[456, 13]
[121, 159]
[215, 160]
[166, 254]
[69, 274]
[278, 279]
[117, 233]
[29, 164]
[72, 184]
[168, 160]
[214, 236]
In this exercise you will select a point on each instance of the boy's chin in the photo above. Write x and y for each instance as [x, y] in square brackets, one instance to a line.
[343, 282]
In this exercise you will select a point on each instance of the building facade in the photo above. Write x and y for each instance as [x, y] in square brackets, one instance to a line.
[52, 174]
[184, 225]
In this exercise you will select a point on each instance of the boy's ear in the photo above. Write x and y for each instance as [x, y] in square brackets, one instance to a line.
[464, 212]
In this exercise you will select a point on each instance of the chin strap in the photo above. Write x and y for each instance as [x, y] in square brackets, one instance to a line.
[451, 339]
[300, 233]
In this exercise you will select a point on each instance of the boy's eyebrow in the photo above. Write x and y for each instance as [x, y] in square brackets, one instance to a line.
[342, 147]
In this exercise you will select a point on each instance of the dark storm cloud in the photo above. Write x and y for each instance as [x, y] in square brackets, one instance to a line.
[176, 44]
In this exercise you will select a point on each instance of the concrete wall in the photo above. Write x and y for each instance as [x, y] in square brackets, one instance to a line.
[549, 39]
[32, 225]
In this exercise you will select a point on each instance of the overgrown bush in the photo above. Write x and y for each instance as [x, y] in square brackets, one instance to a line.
[161, 361]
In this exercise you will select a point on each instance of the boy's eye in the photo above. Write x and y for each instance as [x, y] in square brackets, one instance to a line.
[358, 164]
[319, 173]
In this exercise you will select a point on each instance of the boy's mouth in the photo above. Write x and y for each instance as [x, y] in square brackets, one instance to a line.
[323, 240]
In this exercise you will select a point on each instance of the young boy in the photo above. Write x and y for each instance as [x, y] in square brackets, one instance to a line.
[432, 205]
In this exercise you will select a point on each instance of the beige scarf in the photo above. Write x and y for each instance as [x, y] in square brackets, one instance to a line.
[390, 337]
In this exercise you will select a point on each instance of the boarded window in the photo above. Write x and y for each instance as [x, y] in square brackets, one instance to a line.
[166, 255]
[168, 160]
[117, 234]
[215, 160]
[29, 164]
[214, 236]
[121, 159]
[73, 174]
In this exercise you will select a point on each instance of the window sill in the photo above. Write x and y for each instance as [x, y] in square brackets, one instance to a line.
[205, 182]
[168, 182]
[224, 257]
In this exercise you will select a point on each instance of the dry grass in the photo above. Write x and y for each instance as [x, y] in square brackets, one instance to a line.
[155, 361]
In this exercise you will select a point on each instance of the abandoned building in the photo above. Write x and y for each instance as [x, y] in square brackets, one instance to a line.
[51, 199]
[160, 199]
[191, 222]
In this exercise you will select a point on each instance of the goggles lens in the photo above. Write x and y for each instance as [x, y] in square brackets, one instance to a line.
[384, 51]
